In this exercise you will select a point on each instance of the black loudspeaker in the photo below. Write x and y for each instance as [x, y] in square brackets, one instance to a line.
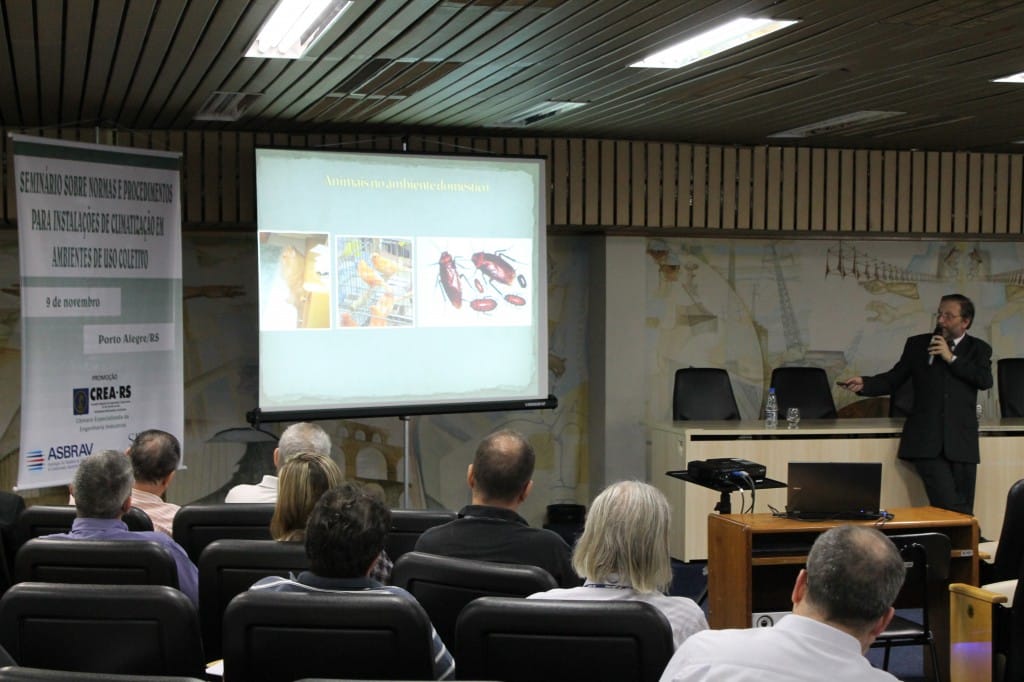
[566, 520]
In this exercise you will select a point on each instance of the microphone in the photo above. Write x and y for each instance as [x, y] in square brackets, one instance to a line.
[937, 332]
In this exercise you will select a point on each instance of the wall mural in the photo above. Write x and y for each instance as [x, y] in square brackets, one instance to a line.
[844, 305]
[221, 376]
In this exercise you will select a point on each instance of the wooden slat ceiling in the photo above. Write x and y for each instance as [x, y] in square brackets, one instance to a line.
[479, 66]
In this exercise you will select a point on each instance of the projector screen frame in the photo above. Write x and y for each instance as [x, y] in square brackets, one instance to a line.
[417, 408]
[257, 416]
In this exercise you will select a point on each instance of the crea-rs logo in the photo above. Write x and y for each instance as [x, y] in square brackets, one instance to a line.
[70, 451]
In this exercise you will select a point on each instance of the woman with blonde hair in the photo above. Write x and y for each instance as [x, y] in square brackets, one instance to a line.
[623, 554]
[302, 481]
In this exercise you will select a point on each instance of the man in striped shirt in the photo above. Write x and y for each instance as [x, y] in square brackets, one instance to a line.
[344, 539]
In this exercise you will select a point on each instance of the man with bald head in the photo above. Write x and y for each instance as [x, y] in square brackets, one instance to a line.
[490, 529]
[841, 602]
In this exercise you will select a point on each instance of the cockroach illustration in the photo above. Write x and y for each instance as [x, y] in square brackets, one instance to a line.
[494, 266]
[515, 300]
[448, 276]
[483, 304]
[522, 280]
[479, 285]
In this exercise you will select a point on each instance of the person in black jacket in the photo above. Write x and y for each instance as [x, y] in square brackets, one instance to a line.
[947, 369]
[490, 529]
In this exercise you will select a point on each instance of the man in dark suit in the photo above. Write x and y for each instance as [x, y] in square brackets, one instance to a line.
[941, 435]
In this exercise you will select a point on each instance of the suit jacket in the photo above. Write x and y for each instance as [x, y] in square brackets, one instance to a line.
[945, 395]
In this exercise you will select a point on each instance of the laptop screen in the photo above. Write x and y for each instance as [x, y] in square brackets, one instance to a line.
[834, 489]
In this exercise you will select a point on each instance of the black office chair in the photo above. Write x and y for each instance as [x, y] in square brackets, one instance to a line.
[11, 507]
[540, 640]
[703, 393]
[806, 388]
[277, 636]
[229, 567]
[197, 525]
[1010, 379]
[408, 524]
[927, 557]
[101, 562]
[39, 520]
[120, 629]
[17, 673]
[444, 585]
[1009, 547]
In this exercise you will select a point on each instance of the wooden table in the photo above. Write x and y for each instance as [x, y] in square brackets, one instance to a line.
[674, 444]
[753, 561]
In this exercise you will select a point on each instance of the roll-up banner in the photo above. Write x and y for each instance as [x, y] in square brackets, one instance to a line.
[101, 301]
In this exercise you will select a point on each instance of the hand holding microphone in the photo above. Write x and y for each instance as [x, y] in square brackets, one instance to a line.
[933, 344]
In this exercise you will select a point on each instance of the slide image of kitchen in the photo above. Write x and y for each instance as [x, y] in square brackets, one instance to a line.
[295, 280]
[375, 282]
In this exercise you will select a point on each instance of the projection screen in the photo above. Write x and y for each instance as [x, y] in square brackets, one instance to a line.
[398, 284]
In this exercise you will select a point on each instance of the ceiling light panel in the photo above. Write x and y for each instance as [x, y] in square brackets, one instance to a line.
[294, 26]
[711, 42]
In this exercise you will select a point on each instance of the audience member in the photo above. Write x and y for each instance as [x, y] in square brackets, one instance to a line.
[103, 493]
[344, 537]
[155, 456]
[623, 554]
[301, 437]
[303, 480]
[841, 602]
[490, 528]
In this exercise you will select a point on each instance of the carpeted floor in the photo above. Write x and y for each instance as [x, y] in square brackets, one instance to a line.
[906, 663]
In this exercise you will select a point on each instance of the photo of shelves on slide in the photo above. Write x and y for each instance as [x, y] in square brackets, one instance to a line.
[375, 286]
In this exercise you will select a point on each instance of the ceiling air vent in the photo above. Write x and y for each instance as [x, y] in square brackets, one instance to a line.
[539, 112]
[226, 106]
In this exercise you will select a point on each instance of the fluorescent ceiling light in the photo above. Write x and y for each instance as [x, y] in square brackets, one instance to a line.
[1015, 78]
[293, 27]
[711, 42]
[837, 123]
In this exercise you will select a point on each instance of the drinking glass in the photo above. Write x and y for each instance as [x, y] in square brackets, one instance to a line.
[793, 417]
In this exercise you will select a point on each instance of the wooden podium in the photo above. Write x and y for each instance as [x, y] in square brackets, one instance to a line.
[753, 561]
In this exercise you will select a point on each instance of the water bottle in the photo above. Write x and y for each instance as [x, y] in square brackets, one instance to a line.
[771, 410]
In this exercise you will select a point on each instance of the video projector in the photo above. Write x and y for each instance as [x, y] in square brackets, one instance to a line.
[725, 469]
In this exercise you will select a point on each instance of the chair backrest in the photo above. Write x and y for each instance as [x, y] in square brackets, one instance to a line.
[703, 393]
[17, 673]
[539, 639]
[40, 520]
[1010, 550]
[229, 567]
[197, 525]
[444, 585]
[927, 557]
[1010, 382]
[122, 629]
[408, 524]
[271, 636]
[806, 388]
[100, 562]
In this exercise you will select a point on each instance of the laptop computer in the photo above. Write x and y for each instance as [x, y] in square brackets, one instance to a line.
[834, 490]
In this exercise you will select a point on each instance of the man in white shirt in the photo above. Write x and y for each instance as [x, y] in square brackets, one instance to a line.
[301, 437]
[841, 602]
